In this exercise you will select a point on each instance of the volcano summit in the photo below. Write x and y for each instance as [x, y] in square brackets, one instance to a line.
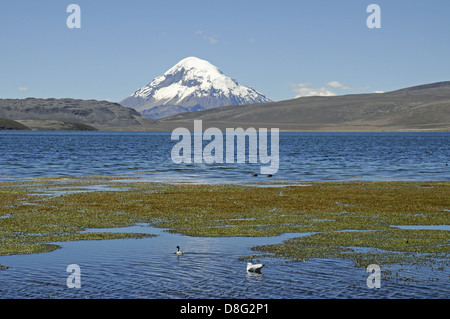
[191, 85]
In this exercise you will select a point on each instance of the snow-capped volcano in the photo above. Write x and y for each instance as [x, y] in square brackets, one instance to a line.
[191, 85]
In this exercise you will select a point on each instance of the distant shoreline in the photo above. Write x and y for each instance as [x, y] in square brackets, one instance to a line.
[281, 130]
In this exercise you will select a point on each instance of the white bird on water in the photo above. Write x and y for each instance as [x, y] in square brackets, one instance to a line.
[254, 268]
[179, 252]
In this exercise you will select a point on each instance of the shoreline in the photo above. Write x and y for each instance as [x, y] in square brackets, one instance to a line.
[281, 131]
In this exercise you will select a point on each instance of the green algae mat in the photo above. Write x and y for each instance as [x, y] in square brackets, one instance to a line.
[357, 220]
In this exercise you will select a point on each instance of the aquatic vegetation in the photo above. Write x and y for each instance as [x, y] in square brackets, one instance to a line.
[345, 219]
[366, 247]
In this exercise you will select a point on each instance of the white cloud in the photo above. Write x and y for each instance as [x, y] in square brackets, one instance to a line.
[300, 85]
[302, 90]
[378, 92]
[212, 39]
[339, 85]
[24, 88]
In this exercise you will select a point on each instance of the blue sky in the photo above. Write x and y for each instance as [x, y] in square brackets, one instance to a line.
[282, 48]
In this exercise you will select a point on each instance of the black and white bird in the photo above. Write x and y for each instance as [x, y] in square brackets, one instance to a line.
[254, 268]
[179, 252]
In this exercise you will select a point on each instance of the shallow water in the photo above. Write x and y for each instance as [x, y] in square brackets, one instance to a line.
[149, 268]
[433, 227]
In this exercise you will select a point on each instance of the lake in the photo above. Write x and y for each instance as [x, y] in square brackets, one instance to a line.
[302, 156]
[210, 268]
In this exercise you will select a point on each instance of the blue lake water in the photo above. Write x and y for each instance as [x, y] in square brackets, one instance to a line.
[302, 156]
[148, 268]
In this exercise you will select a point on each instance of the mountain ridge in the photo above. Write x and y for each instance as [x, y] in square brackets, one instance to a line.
[425, 86]
[99, 114]
[418, 108]
[422, 107]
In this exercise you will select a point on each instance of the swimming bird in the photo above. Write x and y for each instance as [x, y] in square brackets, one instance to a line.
[254, 268]
[179, 252]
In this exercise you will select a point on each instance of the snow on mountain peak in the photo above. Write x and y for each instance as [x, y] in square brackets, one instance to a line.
[190, 85]
[196, 63]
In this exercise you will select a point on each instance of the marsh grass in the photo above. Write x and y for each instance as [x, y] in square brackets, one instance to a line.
[340, 215]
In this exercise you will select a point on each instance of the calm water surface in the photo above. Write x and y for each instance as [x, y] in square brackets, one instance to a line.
[303, 156]
[148, 268]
